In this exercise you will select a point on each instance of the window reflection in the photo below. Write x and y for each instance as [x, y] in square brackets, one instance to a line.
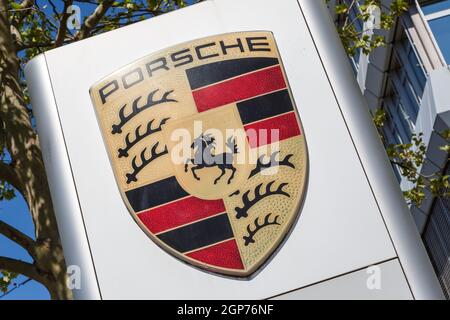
[441, 31]
[438, 16]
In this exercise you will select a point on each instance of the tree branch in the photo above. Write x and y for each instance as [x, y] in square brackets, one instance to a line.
[8, 174]
[18, 237]
[21, 267]
[25, 8]
[7, 51]
[40, 45]
[93, 19]
[16, 287]
[61, 36]
[26, 4]
[413, 170]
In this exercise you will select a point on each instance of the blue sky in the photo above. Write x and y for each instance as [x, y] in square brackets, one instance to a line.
[15, 212]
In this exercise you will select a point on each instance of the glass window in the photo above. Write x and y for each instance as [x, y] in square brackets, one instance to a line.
[436, 7]
[437, 240]
[438, 16]
[404, 92]
[441, 31]
[399, 118]
[407, 75]
[415, 65]
[359, 28]
[390, 134]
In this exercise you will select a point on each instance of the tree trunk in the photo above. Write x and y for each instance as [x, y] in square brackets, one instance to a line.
[28, 168]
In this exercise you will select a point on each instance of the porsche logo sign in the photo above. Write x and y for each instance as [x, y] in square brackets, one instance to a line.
[207, 149]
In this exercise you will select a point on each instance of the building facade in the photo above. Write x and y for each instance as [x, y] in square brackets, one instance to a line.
[410, 80]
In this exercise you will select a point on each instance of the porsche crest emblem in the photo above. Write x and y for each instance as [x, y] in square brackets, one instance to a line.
[207, 149]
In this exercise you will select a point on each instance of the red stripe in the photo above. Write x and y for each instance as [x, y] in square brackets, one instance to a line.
[224, 255]
[272, 130]
[240, 88]
[179, 213]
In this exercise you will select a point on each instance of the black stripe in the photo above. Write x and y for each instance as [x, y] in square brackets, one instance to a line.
[155, 194]
[218, 71]
[265, 106]
[199, 234]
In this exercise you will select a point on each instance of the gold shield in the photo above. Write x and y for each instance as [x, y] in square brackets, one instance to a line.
[207, 149]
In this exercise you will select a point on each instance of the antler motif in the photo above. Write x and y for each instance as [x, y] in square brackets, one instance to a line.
[135, 109]
[123, 152]
[250, 238]
[236, 193]
[132, 177]
[260, 165]
[243, 212]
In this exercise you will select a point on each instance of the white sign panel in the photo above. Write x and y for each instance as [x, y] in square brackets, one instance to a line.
[318, 203]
